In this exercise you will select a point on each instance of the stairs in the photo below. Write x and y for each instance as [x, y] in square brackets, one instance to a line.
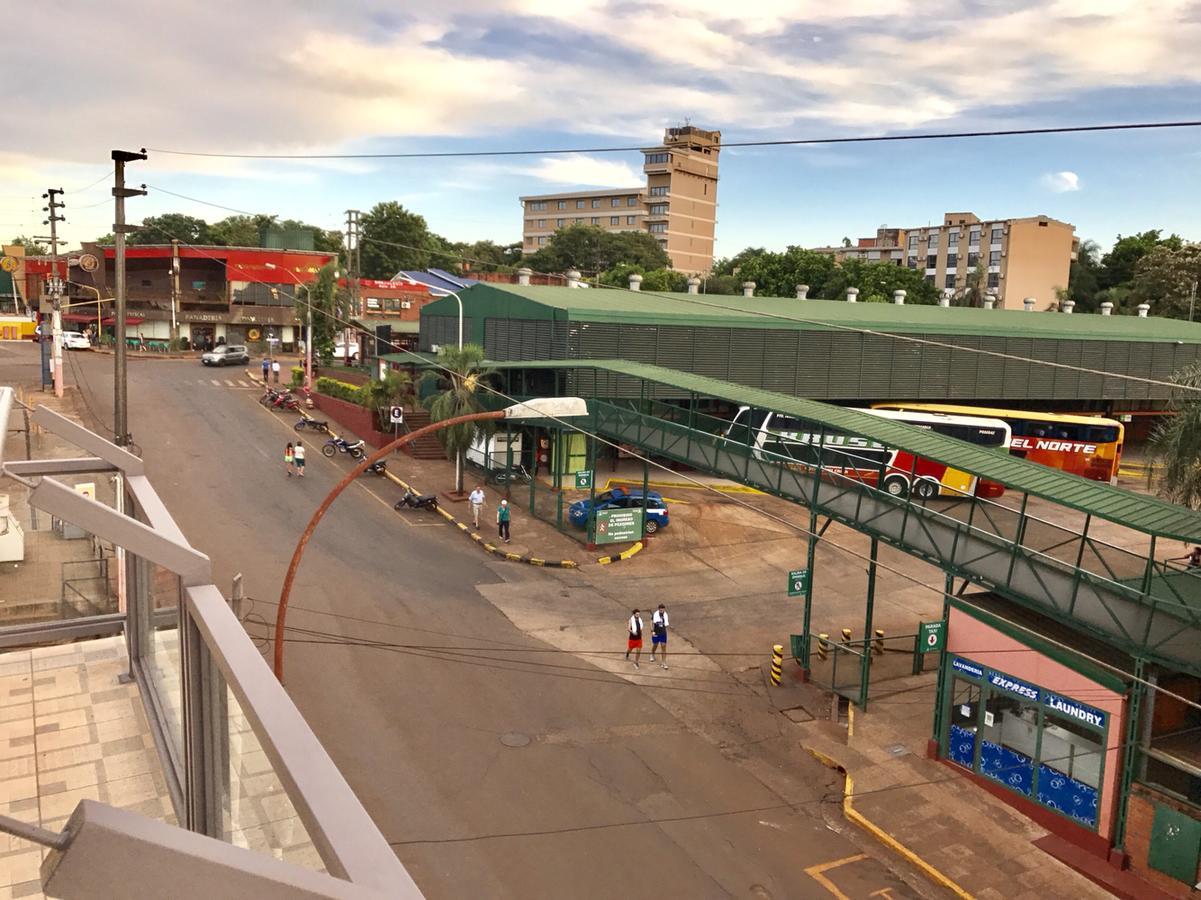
[426, 447]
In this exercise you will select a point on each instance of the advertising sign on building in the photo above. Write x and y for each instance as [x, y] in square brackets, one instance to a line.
[614, 526]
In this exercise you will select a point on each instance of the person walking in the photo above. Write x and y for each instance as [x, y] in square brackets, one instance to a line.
[635, 639]
[289, 459]
[659, 625]
[502, 520]
[266, 371]
[298, 457]
[275, 370]
[476, 498]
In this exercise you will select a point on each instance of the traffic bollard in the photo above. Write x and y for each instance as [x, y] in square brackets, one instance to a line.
[878, 643]
[823, 646]
[846, 635]
[777, 663]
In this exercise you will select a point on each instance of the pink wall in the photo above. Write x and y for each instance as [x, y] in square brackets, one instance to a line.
[972, 639]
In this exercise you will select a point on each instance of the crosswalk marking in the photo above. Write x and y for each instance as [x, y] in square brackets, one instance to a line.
[242, 383]
[215, 382]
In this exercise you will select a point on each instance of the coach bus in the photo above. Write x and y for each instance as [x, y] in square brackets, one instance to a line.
[865, 460]
[1083, 445]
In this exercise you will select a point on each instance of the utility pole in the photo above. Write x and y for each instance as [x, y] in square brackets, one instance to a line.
[1192, 299]
[174, 293]
[56, 287]
[353, 263]
[120, 229]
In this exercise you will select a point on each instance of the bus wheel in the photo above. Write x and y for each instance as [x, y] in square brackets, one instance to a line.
[924, 490]
[896, 485]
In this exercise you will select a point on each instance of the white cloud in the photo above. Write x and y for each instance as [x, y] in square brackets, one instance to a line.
[586, 171]
[1061, 182]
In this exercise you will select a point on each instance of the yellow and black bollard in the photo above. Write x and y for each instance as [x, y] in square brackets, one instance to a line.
[878, 643]
[777, 663]
[823, 646]
[846, 635]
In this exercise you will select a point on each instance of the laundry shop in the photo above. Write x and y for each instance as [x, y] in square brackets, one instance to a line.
[1042, 725]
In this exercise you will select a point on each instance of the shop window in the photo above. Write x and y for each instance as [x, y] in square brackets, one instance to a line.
[1008, 738]
[965, 701]
[1069, 769]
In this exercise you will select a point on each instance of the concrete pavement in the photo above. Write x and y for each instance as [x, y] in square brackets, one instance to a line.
[503, 763]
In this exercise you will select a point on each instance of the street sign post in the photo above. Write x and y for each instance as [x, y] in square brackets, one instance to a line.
[798, 582]
[583, 479]
[615, 526]
[396, 415]
[931, 636]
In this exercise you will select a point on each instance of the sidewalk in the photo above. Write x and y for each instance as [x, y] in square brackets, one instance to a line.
[927, 813]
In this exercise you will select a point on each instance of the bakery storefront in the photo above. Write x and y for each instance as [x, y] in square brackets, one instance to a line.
[1040, 727]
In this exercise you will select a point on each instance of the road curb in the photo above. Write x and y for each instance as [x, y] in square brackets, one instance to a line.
[624, 554]
[853, 815]
[488, 545]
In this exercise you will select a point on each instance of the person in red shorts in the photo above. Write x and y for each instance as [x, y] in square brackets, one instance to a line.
[635, 641]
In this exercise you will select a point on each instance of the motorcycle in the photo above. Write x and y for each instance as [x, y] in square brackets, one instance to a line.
[377, 468]
[417, 501]
[321, 425]
[335, 446]
[518, 473]
[286, 400]
[271, 396]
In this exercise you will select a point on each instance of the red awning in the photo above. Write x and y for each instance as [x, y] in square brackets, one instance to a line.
[79, 317]
[129, 320]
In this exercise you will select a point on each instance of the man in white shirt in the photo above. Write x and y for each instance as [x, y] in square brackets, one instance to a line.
[659, 625]
[476, 499]
[635, 640]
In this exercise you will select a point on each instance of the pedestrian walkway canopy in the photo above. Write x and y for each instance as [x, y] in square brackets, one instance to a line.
[1150, 515]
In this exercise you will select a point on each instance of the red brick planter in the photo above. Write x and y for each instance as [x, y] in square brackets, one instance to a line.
[351, 416]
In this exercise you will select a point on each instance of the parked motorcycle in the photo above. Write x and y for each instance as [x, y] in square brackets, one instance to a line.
[518, 473]
[286, 400]
[270, 397]
[321, 425]
[417, 501]
[335, 446]
[377, 468]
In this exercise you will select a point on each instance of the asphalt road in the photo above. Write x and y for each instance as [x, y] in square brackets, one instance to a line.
[612, 794]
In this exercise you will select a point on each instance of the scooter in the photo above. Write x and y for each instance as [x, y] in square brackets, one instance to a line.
[340, 445]
[417, 501]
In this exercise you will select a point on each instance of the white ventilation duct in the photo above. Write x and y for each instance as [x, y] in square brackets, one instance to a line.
[1028, 304]
[1106, 308]
[1068, 306]
[694, 284]
[635, 281]
[898, 297]
[523, 275]
[573, 278]
[802, 292]
[945, 300]
[1143, 309]
[748, 289]
[989, 302]
[852, 295]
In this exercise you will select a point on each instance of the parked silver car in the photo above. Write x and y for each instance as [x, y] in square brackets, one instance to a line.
[226, 355]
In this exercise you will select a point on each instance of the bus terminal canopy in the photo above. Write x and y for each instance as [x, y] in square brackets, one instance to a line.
[1140, 512]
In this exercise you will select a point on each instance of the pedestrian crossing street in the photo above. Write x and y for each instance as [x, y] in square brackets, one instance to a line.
[237, 384]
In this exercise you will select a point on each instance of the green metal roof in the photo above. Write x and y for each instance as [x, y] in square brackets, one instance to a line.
[650, 307]
[1141, 512]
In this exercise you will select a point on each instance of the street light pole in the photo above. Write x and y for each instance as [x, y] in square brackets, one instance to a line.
[553, 407]
[445, 293]
[308, 343]
[120, 384]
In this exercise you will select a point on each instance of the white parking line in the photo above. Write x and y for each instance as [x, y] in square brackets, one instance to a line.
[243, 384]
[228, 383]
[215, 382]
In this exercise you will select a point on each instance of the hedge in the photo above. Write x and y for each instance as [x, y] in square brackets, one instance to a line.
[340, 390]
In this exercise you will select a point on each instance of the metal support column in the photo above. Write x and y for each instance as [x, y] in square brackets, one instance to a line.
[1130, 752]
[120, 384]
[590, 438]
[948, 591]
[206, 734]
[810, 558]
[646, 483]
[865, 662]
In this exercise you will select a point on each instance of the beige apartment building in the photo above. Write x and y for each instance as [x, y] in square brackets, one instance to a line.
[1018, 258]
[678, 205]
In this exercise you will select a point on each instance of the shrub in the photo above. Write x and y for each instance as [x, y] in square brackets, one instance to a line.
[297, 376]
[339, 390]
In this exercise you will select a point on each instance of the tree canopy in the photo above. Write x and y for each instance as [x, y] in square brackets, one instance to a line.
[393, 238]
[32, 247]
[593, 250]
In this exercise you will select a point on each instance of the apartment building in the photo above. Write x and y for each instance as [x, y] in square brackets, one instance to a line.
[678, 204]
[1017, 258]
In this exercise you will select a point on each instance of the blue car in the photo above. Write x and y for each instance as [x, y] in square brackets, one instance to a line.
[620, 498]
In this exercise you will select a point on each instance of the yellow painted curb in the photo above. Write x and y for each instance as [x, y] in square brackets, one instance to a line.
[624, 554]
[853, 815]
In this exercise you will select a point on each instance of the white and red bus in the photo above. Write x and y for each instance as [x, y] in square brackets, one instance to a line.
[780, 435]
[1083, 445]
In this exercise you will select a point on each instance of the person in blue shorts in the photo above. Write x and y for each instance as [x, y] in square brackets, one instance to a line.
[659, 625]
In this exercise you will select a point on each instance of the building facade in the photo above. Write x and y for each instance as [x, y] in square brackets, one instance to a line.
[1009, 259]
[678, 205]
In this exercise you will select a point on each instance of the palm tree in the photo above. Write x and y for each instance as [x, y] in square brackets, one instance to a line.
[458, 380]
[378, 395]
[1176, 441]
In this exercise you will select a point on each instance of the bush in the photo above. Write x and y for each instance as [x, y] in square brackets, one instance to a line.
[297, 377]
[339, 390]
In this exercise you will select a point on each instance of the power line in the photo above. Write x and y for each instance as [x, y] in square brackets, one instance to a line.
[1123, 673]
[788, 142]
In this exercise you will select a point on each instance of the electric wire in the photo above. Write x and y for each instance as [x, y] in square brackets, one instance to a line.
[729, 498]
[785, 142]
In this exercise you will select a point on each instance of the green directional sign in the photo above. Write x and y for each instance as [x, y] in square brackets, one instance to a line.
[583, 479]
[931, 636]
[614, 526]
[798, 582]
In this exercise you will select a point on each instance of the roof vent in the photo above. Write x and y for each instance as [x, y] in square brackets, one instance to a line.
[1106, 308]
[852, 295]
[748, 289]
[573, 278]
[898, 297]
[1143, 309]
[1068, 306]
[523, 275]
[945, 300]
[635, 281]
[694, 284]
[802, 291]
[1028, 304]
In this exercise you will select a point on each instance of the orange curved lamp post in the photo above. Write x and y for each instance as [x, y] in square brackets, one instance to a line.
[285, 593]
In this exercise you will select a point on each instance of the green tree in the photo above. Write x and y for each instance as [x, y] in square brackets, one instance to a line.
[240, 231]
[663, 280]
[393, 238]
[778, 274]
[732, 265]
[480, 256]
[163, 229]
[1083, 277]
[877, 281]
[1118, 265]
[32, 247]
[380, 395]
[457, 385]
[975, 287]
[592, 250]
[1176, 441]
[323, 293]
[1166, 277]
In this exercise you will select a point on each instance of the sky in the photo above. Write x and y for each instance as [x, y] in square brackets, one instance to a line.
[368, 76]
